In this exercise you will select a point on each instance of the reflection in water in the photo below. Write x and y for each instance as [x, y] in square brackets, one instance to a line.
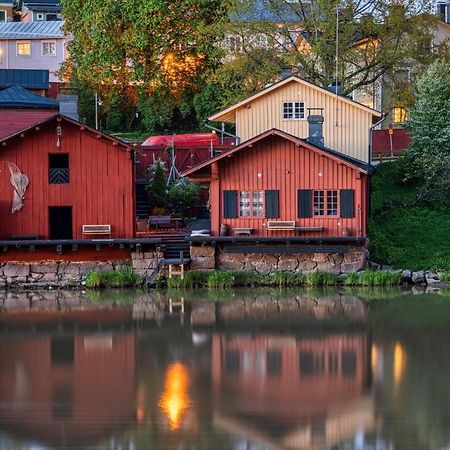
[175, 399]
[399, 362]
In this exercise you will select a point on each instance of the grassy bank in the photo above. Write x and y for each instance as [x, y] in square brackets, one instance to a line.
[121, 278]
[402, 233]
[221, 280]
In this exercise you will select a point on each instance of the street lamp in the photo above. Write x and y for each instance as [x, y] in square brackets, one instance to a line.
[98, 102]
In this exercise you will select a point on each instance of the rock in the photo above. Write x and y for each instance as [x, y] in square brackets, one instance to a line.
[16, 270]
[355, 256]
[200, 263]
[320, 257]
[267, 264]
[386, 267]
[306, 266]
[202, 251]
[44, 268]
[431, 278]
[329, 267]
[352, 267]
[418, 277]
[373, 265]
[287, 263]
[407, 275]
[337, 258]
[418, 290]
[203, 313]
[231, 261]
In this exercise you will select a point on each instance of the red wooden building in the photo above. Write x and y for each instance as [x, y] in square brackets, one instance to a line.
[76, 176]
[278, 185]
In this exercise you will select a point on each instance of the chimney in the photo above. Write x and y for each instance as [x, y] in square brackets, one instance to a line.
[315, 134]
[68, 106]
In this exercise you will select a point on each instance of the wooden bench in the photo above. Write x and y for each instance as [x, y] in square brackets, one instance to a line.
[96, 229]
[275, 225]
[159, 221]
[243, 231]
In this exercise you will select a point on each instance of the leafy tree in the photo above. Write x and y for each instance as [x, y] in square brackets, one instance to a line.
[182, 196]
[428, 158]
[157, 188]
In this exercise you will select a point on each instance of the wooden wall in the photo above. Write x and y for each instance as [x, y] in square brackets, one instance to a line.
[346, 126]
[286, 167]
[100, 190]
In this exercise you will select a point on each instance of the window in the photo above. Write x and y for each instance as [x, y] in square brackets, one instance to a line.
[293, 110]
[58, 168]
[251, 203]
[400, 114]
[49, 48]
[3, 16]
[51, 17]
[23, 48]
[40, 16]
[325, 203]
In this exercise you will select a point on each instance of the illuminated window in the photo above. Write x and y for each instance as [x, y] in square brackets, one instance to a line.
[400, 114]
[293, 110]
[325, 203]
[23, 48]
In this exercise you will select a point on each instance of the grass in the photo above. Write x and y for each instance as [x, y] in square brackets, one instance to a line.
[373, 278]
[221, 279]
[407, 237]
[120, 278]
[445, 277]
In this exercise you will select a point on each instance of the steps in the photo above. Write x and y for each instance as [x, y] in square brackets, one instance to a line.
[142, 206]
[174, 250]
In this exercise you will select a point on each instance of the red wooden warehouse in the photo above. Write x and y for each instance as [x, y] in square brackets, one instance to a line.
[77, 177]
[278, 185]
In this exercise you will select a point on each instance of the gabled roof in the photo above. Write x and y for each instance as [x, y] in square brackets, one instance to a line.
[27, 78]
[31, 30]
[18, 97]
[61, 118]
[337, 156]
[229, 114]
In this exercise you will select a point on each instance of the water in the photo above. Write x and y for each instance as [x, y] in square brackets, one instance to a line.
[130, 372]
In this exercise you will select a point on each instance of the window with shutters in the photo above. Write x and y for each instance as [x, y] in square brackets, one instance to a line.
[251, 203]
[325, 203]
[293, 110]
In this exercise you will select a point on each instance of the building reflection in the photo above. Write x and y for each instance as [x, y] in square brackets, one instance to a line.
[293, 392]
[65, 390]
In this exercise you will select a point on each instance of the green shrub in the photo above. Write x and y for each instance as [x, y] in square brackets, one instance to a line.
[321, 279]
[123, 277]
[444, 277]
[95, 279]
[220, 279]
[351, 279]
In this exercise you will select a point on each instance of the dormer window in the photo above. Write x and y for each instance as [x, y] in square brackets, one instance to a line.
[293, 110]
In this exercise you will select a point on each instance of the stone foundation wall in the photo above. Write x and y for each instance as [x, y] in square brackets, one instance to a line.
[146, 263]
[209, 258]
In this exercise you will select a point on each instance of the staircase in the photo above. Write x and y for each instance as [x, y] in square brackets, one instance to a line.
[142, 206]
[176, 252]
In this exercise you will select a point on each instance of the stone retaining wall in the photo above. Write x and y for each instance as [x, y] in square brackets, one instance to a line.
[209, 258]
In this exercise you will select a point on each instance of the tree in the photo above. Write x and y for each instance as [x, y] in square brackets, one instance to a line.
[157, 188]
[428, 157]
[182, 196]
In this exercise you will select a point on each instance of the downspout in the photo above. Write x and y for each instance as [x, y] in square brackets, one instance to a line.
[383, 116]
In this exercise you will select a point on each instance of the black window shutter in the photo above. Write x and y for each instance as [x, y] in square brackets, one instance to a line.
[347, 203]
[304, 203]
[272, 204]
[230, 204]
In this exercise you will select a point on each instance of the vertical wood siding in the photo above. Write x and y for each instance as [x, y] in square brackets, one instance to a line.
[100, 189]
[350, 136]
[284, 166]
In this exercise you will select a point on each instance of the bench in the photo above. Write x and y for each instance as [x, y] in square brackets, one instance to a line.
[96, 229]
[313, 229]
[243, 231]
[159, 221]
[280, 225]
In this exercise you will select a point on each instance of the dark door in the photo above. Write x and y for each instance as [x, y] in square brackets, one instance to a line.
[60, 222]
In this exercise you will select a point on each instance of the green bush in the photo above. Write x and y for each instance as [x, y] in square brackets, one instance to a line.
[123, 277]
[95, 279]
[220, 279]
[321, 279]
[373, 278]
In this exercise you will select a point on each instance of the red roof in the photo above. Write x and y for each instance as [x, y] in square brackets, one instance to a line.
[182, 140]
[14, 120]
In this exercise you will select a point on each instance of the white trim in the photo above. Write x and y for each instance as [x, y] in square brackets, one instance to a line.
[6, 15]
[17, 49]
[40, 17]
[293, 111]
[52, 41]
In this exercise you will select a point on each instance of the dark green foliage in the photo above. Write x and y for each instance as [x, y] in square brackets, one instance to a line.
[373, 278]
[182, 196]
[321, 279]
[157, 188]
[220, 279]
[404, 232]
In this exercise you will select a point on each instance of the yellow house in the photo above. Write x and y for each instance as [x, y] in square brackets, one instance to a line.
[286, 106]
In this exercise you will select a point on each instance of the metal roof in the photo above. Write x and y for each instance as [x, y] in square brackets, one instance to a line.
[27, 78]
[18, 97]
[27, 3]
[45, 8]
[31, 30]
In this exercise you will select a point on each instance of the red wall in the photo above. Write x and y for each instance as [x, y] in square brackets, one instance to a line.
[286, 167]
[100, 189]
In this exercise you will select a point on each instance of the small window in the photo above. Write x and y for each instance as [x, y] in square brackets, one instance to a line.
[51, 17]
[49, 48]
[400, 114]
[59, 172]
[325, 203]
[293, 110]
[251, 203]
[3, 16]
[23, 48]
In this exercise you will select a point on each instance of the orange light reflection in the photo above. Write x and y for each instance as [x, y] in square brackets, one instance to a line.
[399, 362]
[175, 398]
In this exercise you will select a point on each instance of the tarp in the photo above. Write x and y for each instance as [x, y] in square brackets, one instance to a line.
[182, 140]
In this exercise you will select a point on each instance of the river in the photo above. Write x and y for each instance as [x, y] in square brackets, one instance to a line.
[322, 369]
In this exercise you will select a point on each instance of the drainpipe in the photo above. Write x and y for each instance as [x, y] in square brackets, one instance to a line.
[383, 116]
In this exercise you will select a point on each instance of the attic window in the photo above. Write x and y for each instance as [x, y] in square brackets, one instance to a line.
[400, 114]
[293, 110]
[58, 165]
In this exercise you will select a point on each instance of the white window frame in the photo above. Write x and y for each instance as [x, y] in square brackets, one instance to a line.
[325, 202]
[17, 48]
[48, 42]
[251, 204]
[40, 17]
[301, 106]
[6, 15]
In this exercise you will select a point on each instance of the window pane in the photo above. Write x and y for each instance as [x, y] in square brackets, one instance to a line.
[49, 48]
[332, 203]
[299, 110]
[244, 204]
[258, 205]
[23, 49]
[288, 111]
[319, 200]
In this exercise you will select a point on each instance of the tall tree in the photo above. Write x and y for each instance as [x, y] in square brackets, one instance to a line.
[428, 158]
